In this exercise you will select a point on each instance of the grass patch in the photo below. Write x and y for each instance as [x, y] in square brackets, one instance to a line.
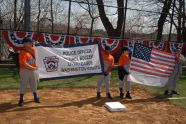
[9, 79]
[181, 88]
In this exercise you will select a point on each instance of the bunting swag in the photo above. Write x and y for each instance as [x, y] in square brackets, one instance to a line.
[78, 60]
[14, 39]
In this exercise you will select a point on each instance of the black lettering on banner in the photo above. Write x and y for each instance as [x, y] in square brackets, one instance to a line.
[86, 57]
[80, 69]
[85, 63]
[84, 51]
[71, 58]
[69, 53]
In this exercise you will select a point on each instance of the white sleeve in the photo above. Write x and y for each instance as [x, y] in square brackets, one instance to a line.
[182, 59]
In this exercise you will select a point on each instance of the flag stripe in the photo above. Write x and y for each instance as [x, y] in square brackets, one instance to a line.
[134, 60]
[150, 73]
[163, 53]
[161, 63]
[150, 69]
[151, 65]
[164, 56]
[165, 63]
[163, 60]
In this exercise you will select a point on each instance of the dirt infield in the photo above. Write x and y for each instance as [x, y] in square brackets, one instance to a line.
[79, 105]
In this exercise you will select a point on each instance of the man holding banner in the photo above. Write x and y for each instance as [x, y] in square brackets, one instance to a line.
[174, 78]
[108, 61]
[28, 70]
[123, 71]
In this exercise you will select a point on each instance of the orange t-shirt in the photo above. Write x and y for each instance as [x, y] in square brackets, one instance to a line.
[109, 60]
[26, 57]
[123, 59]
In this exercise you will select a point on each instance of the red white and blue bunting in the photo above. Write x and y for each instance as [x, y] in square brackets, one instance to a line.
[157, 45]
[174, 46]
[14, 39]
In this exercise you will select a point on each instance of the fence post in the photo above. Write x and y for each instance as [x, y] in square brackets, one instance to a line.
[124, 21]
[27, 15]
[1, 39]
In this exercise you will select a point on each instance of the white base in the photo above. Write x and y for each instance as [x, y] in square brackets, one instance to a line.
[115, 106]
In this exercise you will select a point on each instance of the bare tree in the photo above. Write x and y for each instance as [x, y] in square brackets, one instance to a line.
[162, 19]
[15, 14]
[183, 23]
[52, 18]
[92, 13]
[81, 22]
[179, 18]
[38, 17]
[111, 31]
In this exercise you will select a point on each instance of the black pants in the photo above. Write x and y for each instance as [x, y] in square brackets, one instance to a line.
[122, 72]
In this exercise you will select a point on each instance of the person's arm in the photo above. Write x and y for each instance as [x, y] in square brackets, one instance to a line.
[23, 61]
[182, 59]
[111, 65]
[31, 67]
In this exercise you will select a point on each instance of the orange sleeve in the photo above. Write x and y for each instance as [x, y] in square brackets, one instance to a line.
[22, 58]
[32, 50]
[123, 60]
[111, 60]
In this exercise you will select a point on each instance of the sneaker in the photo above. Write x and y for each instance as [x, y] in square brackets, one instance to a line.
[166, 92]
[37, 100]
[98, 95]
[109, 96]
[21, 102]
[174, 92]
[121, 95]
[128, 96]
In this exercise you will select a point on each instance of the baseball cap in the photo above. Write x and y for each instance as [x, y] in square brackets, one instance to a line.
[27, 40]
[107, 48]
[178, 49]
[129, 49]
[126, 49]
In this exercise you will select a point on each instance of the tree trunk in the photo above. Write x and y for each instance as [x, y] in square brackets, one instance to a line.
[179, 21]
[91, 27]
[183, 23]
[111, 32]
[27, 15]
[15, 14]
[38, 17]
[163, 16]
[52, 18]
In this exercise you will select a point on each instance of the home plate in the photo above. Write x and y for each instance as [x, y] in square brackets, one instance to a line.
[115, 106]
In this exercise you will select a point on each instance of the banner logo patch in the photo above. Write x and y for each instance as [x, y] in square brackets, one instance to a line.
[51, 63]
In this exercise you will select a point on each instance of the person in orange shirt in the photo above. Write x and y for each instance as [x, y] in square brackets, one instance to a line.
[123, 71]
[108, 61]
[28, 70]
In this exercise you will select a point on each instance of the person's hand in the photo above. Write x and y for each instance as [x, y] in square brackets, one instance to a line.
[127, 73]
[35, 68]
[105, 74]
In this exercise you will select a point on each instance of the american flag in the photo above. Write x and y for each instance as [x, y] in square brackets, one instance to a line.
[152, 62]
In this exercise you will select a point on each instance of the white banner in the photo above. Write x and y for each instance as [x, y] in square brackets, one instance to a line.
[55, 63]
